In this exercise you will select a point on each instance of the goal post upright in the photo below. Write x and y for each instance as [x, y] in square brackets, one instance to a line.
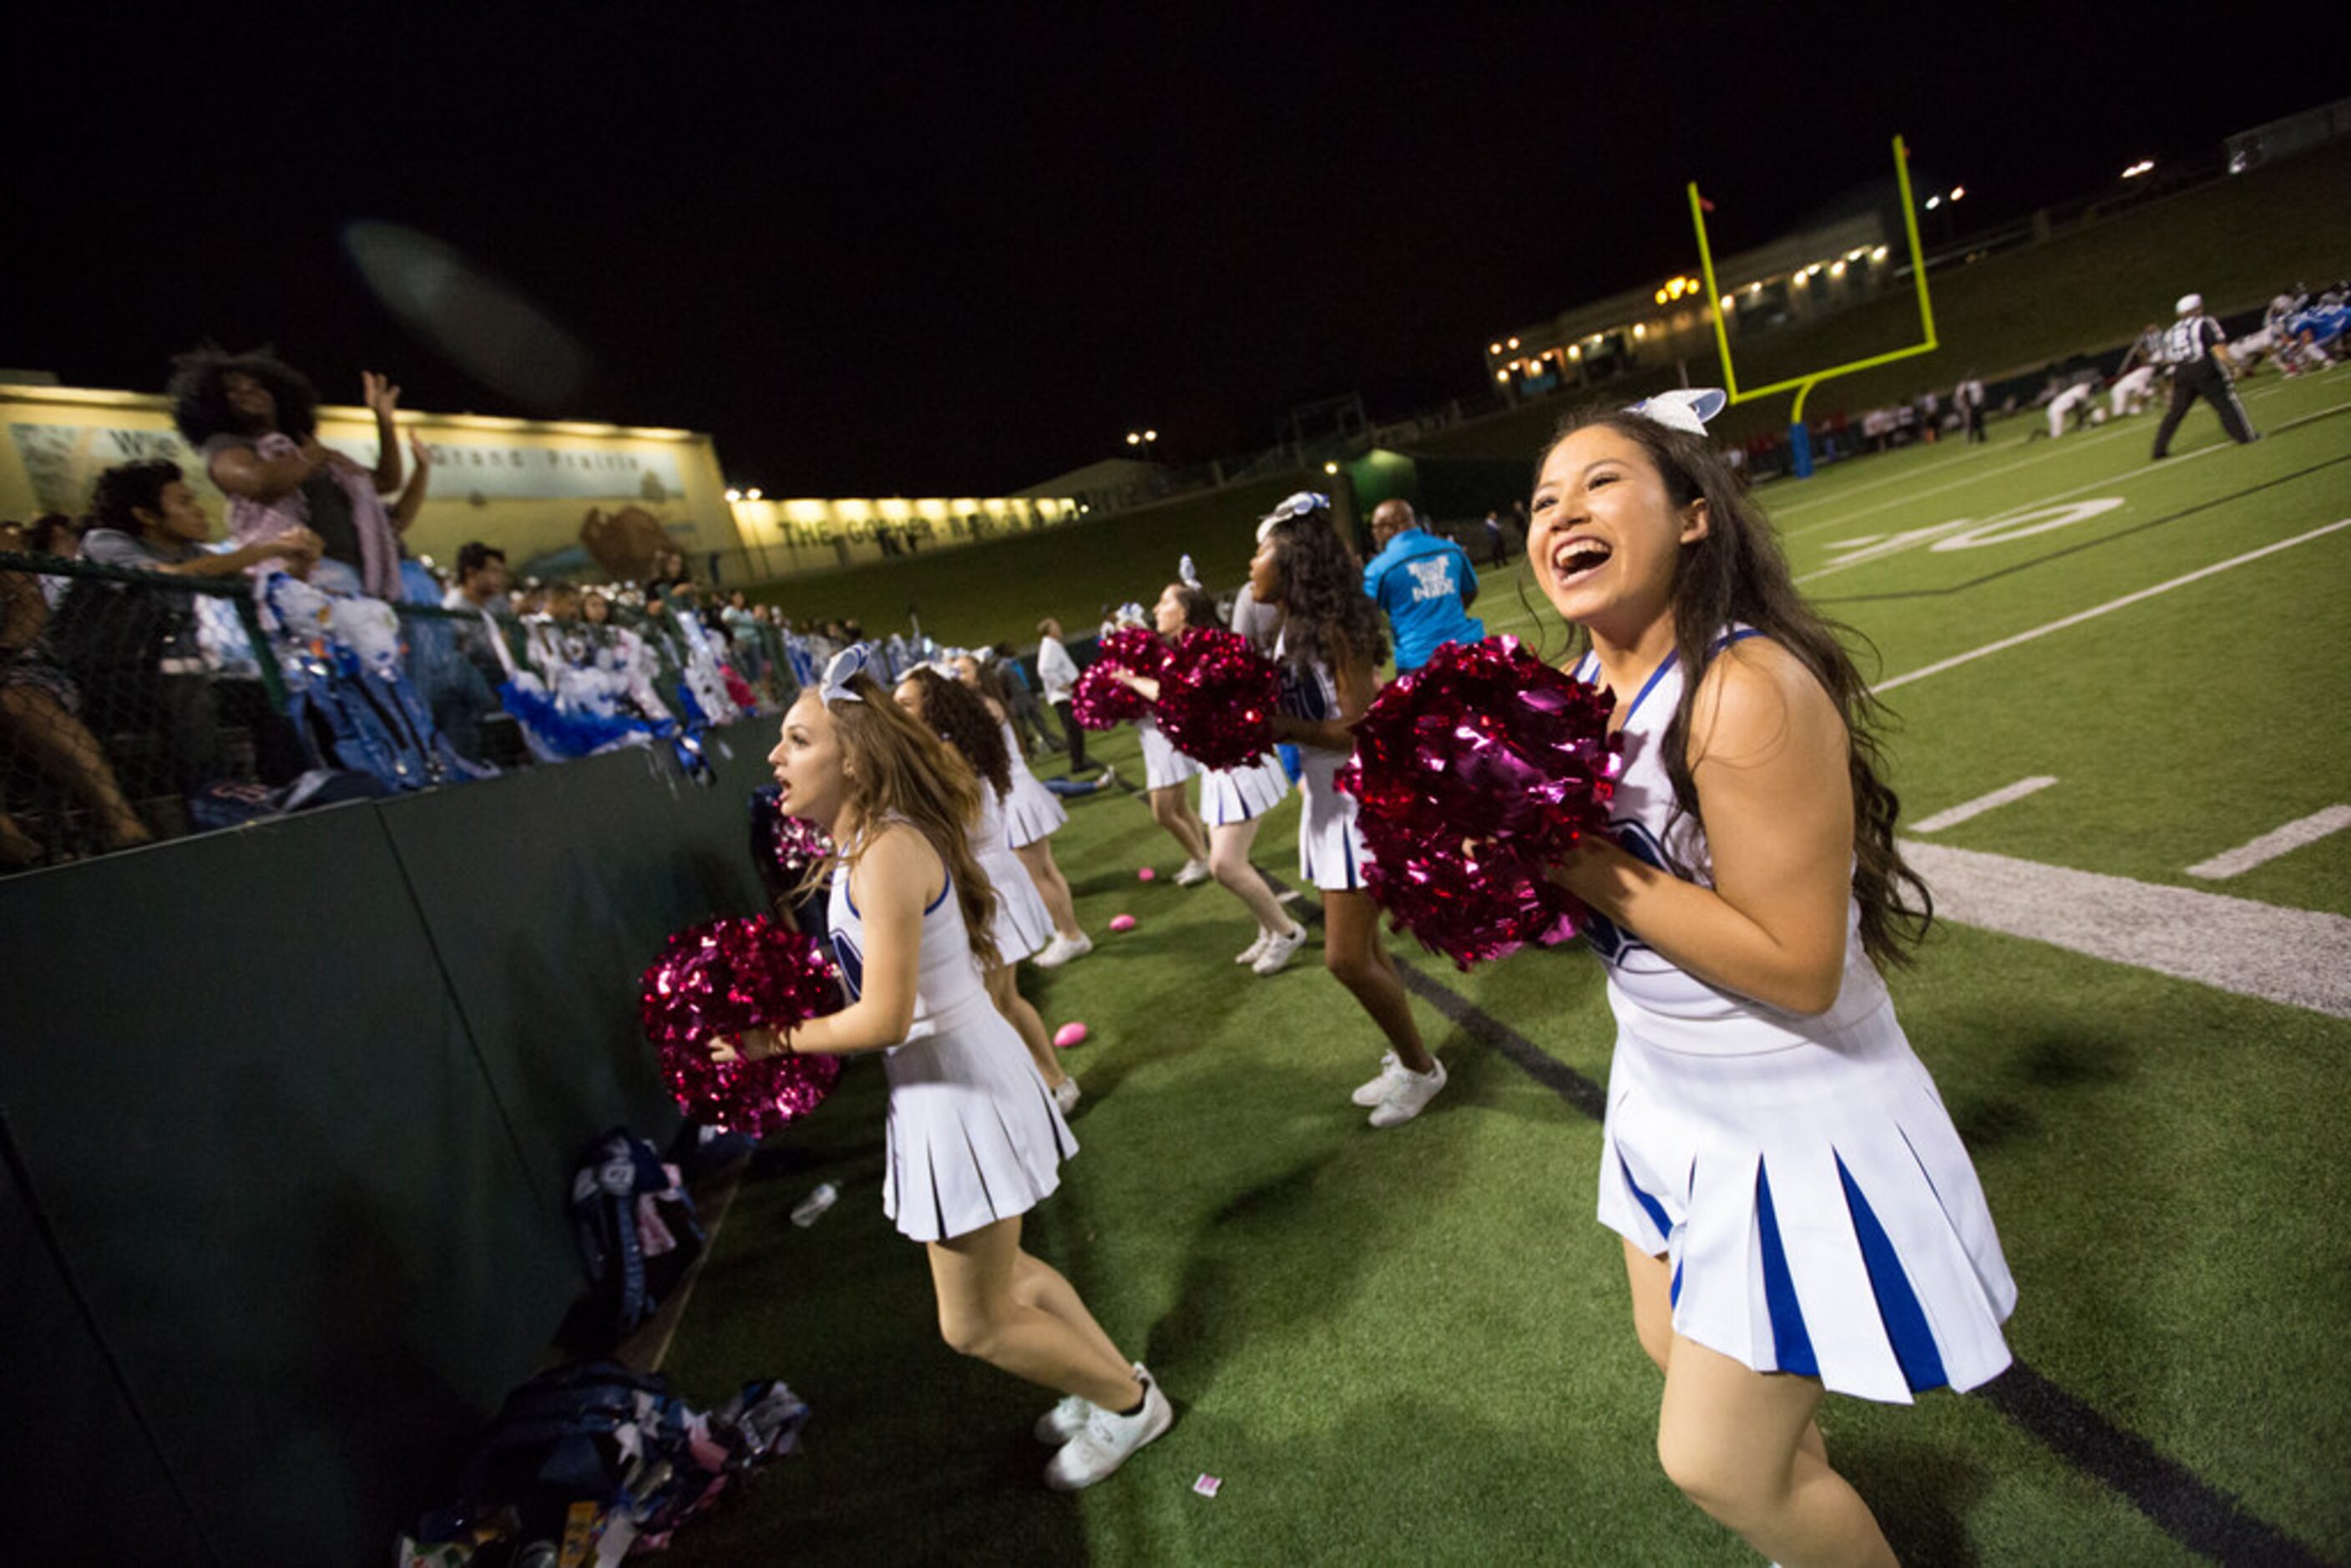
[1799, 437]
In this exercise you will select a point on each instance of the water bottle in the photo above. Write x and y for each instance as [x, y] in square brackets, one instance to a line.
[810, 1209]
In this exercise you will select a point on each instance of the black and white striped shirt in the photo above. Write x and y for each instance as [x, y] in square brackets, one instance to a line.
[2190, 339]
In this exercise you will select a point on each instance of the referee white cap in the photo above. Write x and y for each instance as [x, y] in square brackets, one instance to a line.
[2189, 304]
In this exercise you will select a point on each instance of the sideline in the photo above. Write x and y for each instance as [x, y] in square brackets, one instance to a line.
[2297, 958]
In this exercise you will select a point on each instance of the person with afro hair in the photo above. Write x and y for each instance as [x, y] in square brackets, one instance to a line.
[254, 419]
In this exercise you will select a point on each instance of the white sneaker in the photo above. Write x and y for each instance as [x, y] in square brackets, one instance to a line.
[1408, 1095]
[1067, 1419]
[1060, 950]
[1194, 873]
[1108, 1439]
[1280, 950]
[1063, 1421]
[1372, 1093]
[1248, 954]
[1065, 1095]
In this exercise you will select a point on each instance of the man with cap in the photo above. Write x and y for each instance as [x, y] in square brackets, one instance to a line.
[2197, 351]
[1424, 583]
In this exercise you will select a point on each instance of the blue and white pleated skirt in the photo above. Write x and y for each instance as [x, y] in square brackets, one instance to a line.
[973, 1136]
[1031, 811]
[1229, 795]
[1164, 767]
[1329, 847]
[1817, 1208]
[1023, 925]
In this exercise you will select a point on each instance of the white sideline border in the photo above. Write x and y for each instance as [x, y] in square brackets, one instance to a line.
[1951, 816]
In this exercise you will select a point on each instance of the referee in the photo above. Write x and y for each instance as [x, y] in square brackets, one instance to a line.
[2197, 351]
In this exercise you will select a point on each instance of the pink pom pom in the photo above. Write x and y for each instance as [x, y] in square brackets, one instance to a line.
[1217, 699]
[1476, 773]
[1068, 1035]
[1099, 700]
[798, 845]
[718, 979]
[1122, 923]
[1147, 874]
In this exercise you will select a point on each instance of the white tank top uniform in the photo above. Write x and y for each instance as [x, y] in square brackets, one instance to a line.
[1330, 849]
[1229, 795]
[1164, 767]
[1800, 1172]
[1031, 811]
[1023, 925]
[972, 1135]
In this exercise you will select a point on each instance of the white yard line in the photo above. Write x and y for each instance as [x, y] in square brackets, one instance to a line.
[1980, 804]
[1956, 660]
[2297, 958]
[2272, 844]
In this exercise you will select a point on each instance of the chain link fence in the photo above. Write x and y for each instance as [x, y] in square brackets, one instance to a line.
[138, 705]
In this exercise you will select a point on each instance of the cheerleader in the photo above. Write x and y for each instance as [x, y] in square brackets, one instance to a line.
[1330, 642]
[974, 1140]
[959, 717]
[1167, 772]
[1032, 814]
[1793, 1197]
[1233, 799]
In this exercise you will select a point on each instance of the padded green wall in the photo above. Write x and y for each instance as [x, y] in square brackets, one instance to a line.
[297, 1105]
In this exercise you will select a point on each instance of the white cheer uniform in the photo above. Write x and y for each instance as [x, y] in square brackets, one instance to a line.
[1031, 811]
[1164, 767]
[973, 1136]
[1800, 1172]
[1229, 795]
[1023, 926]
[1331, 852]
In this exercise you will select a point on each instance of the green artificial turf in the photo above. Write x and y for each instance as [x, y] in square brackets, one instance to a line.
[1413, 1345]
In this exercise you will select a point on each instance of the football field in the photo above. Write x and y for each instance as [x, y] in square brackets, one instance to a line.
[2122, 761]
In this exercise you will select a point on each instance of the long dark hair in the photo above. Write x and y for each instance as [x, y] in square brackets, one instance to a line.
[1736, 574]
[200, 403]
[1332, 621]
[958, 716]
[1199, 610]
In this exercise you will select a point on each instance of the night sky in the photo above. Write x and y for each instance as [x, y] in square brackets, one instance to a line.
[877, 250]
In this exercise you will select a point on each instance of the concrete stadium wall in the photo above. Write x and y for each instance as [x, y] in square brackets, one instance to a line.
[288, 1115]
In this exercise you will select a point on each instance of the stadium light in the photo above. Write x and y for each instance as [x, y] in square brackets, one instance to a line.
[734, 495]
[1149, 436]
[1135, 438]
[1957, 190]
[752, 494]
[1836, 268]
[1934, 202]
[1493, 348]
[1659, 297]
[1576, 350]
[1728, 302]
[2143, 166]
[1329, 467]
[1501, 375]
[1639, 331]
[1877, 254]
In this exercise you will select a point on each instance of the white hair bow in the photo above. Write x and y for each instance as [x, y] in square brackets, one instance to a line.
[1686, 410]
[1306, 503]
[850, 662]
[1186, 573]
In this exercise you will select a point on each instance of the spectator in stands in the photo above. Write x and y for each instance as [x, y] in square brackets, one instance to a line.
[1424, 583]
[134, 650]
[53, 533]
[38, 717]
[668, 574]
[254, 419]
[1057, 673]
[482, 587]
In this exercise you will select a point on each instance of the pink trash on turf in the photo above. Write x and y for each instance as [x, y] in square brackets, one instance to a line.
[1070, 1034]
[1147, 874]
[1122, 923]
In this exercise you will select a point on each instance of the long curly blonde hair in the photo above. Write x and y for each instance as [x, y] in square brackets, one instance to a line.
[896, 770]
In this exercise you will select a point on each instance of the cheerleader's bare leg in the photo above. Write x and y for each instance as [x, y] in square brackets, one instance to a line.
[1004, 990]
[1653, 1321]
[977, 1278]
[1745, 1447]
[1352, 952]
[1228, 861]
[1172, 812]
[1037, 858]
[1037, 1283]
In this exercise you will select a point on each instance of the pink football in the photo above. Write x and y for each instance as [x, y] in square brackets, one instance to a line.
[1070, 1034]
[1122, 923]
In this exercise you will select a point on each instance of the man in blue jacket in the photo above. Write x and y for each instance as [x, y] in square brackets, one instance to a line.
[1424, 583]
